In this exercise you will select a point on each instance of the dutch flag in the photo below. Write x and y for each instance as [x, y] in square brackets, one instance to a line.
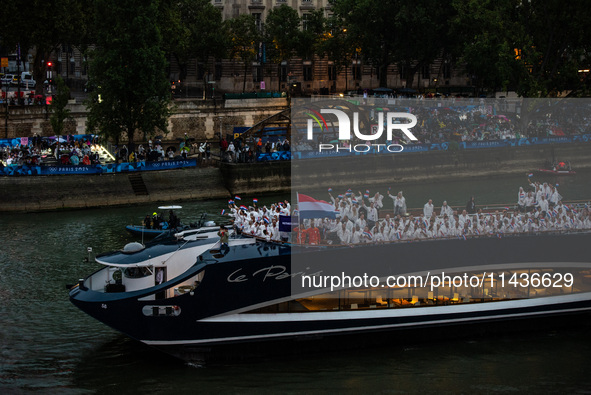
[255, 200]
[237, 197]
[312, 208]
[243, 208]
[223, 212]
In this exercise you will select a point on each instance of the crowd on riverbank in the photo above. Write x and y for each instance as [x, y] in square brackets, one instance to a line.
[41, 150]
[466, 123]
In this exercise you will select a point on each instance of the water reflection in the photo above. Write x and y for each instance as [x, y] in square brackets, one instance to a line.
[48, 346]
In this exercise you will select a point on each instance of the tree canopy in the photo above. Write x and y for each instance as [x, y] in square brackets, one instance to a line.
[53, 23]
[128, 70]
[245, 38]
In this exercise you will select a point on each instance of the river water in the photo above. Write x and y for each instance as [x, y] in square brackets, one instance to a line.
[48, 346]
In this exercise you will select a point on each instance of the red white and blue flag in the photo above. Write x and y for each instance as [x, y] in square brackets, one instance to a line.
[237, 197]
[223, 212]
[255, 200]
[312, 208]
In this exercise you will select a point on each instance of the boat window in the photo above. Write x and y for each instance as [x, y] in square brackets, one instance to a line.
[161, 311]
[486, 287]
[136, 272]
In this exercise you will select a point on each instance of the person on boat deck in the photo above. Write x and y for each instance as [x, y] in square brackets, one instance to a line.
[543, 204]
[223, 234]
[428, 209]
[445, 209]
[529, 202]
[399, 203]
[555, 197]
[159, 276]
[521, 199]
[313, 234]
[471, 206]
[148, 222]
[156, 221]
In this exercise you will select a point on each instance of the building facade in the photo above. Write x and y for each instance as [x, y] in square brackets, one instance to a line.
[300, 76]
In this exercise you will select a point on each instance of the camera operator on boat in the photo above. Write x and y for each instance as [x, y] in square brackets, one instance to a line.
[223, 233]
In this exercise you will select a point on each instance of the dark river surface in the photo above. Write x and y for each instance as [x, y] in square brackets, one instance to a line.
[49, 346]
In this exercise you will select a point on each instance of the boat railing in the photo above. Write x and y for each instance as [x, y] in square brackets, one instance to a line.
[427, 239]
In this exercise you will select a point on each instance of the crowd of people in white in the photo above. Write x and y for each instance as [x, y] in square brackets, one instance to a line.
[358, 219]
[536, 211]
[260, 222]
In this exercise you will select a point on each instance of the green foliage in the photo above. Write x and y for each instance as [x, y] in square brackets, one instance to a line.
[411, 33]
[43, 25]
[245, 38]
[192, 29]
[534, 47]
[59, 111]
[282, 31]
[313, 34]
[128, 69]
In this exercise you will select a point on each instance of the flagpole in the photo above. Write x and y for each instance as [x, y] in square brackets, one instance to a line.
[299, 216]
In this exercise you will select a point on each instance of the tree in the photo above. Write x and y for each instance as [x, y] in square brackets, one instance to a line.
[338, 46]
[282, 35]
[412, 34]
[486, 30]
[56, 22]
[192, 29]
[313, 34]
[551, 45]
[533, 47]
[245, 37]
[128, 69]
[59, 111]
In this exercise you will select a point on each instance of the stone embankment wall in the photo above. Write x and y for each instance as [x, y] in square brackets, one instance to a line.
[40, 193]
[200, 119]
[434, 165]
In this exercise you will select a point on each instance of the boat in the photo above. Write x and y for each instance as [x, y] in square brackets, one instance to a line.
[558, 168]
[143, 231]
[255, 291]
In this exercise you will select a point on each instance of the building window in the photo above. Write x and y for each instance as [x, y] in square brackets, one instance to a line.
[402, 71]
[305, 18]
[257, 72]
[356, 71]
[200, 71]
[257, 19]
[446, 70]
[332, 72]
[308, 73]
[283, 73]
[218, 71]
[425, 71]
